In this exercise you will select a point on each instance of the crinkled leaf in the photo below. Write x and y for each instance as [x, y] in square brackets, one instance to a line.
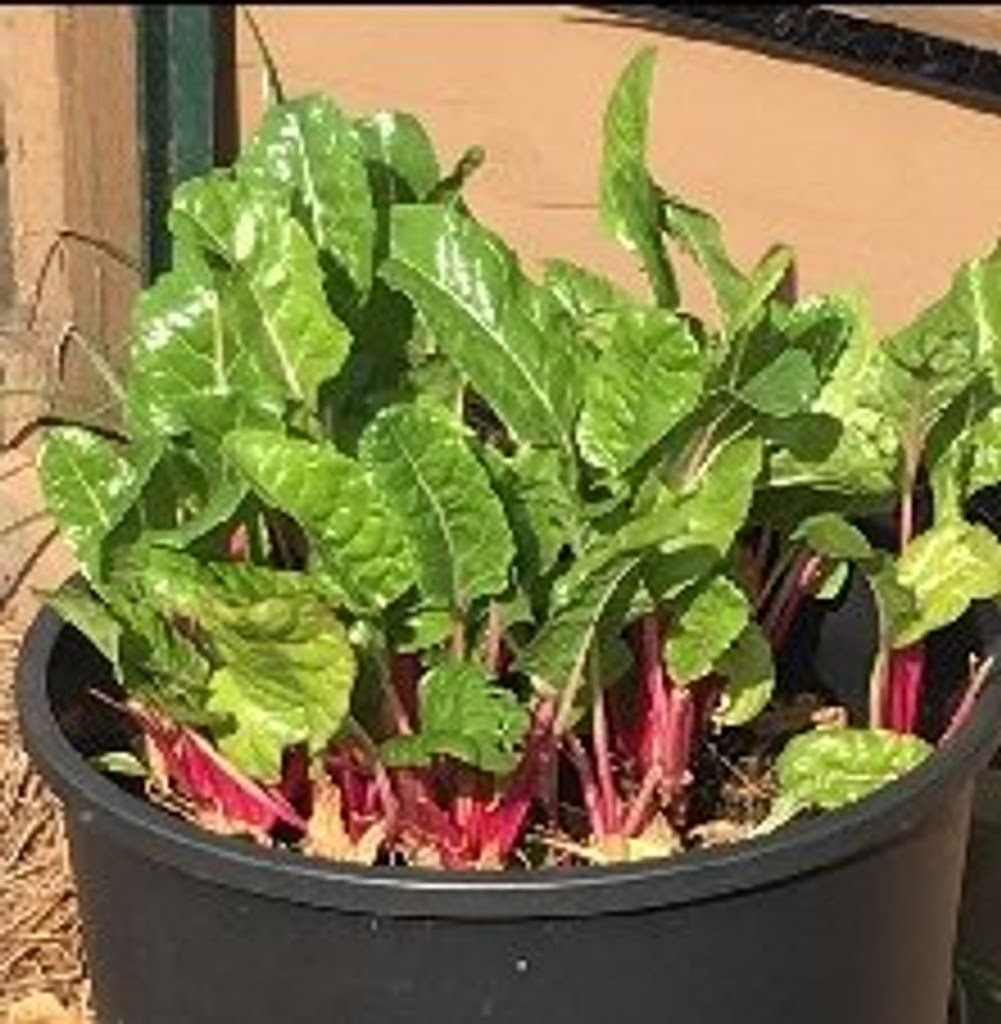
[469, 289]
[403, 167]
[946, 568]
[283, 693]
[188, 367]
[310, 154]
[963, 451]
[829, 768]
[706, 625]
[357, 539]
[784, 387]
[749, 671]
[466, 716]
[830, 534]
[441, 495]
[647, 380]
[629, 200]
[89, 488]
[275, 300]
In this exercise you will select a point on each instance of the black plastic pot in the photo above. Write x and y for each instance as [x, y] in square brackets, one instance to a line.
[847, 918]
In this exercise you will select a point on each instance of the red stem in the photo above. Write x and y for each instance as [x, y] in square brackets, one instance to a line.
[602, 755]
[588, 786]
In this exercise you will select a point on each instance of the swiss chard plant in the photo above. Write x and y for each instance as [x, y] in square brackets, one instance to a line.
[405, 555]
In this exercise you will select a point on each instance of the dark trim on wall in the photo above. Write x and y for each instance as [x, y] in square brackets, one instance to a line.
[881, 53]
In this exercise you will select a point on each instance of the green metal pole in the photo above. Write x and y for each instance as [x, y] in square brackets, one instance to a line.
[185, 108]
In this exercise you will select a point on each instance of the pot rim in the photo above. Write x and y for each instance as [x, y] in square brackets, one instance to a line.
[799, 848]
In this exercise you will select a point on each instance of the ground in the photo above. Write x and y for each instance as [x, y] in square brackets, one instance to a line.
[40, 956]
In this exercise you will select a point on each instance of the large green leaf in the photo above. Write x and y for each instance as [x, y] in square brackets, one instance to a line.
[946, 568]
[646, 381]
[403, 167]
[275, 300]
[309, 153]
[469, 289]
[442, 497]
[187, 365]
[358, 541]
[89, 487]
[465, 716]
[707, 624]
[829, 768]
[629, 200]
[280, 687]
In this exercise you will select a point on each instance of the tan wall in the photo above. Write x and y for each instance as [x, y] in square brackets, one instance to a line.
[872, 185]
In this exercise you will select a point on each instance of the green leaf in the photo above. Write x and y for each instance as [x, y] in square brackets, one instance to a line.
[714, 513]
[275, 300]
[784, 387]
[762, 285]
[583, 618]
[81, 608]
[583, 293]
[403, 167]
[543, 514]
[749, 670]
[830, 534]
[188, 368]
[629, 200]
[865, 457]
[463, 715]
[308, 153]
[830, 768]
[89, 488]
[120, 762]
[358, 541]
[647, 380]
[280, 686]
[699, 235]
[469, 289]
[946, 568]
[441, 494]
[705, 627]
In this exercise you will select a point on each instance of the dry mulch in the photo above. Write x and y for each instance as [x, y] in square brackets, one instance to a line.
[42, 978]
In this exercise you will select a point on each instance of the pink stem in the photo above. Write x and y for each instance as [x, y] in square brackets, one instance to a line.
[602, 755]
[796, 588]
[904, 687]
[509, 817]
[588, 786]
[641, 804]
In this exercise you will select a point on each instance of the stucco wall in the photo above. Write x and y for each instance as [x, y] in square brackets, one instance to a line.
[872, 185]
